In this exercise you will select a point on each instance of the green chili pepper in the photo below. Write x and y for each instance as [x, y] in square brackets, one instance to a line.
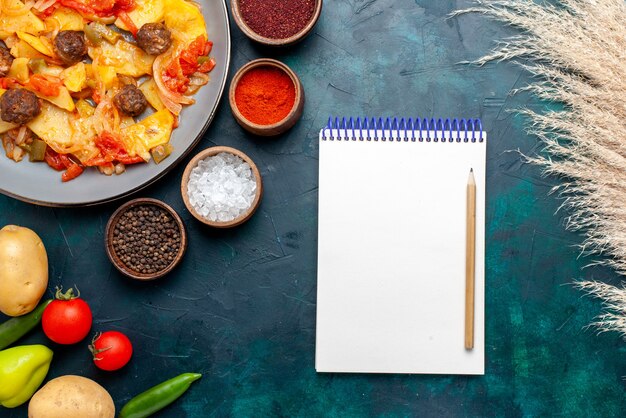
[202, 59]
[161, 152]
[37, 151]
[96, 32]
[15, 328]
[37, 65]
[93, 34]
[158, 397]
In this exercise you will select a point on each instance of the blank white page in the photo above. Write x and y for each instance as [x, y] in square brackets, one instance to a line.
[391, 257]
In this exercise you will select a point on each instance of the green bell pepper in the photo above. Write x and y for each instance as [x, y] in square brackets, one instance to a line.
[22, 370]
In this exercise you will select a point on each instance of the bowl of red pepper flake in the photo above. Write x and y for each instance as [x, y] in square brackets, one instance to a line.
[276, 22]
[266, 97]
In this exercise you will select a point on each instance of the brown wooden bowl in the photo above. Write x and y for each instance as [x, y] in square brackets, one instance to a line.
[209, 152]
[236, 12]
[110, 228]
[279, 127]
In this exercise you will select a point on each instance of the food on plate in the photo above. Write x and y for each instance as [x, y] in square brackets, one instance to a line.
[15, 328]
[19, 106]
[158, 397]
[23, 270]
[154, 38]
[22, 369]
[71, 397]
[67, 320]
[70, 46]
[130, 100]
[5, 60]
[111, 350]
[78, 78]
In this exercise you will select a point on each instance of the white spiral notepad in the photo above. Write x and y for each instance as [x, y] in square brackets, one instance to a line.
[392, 246]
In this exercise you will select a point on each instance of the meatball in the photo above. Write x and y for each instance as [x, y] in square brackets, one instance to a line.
[5, 60]
[154, 38]
[130, 100]
[70, 46]
[19, 106]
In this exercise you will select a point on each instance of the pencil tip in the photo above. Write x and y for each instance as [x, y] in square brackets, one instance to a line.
[471, 170]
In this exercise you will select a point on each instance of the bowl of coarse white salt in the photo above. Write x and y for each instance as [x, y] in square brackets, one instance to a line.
[221, 187]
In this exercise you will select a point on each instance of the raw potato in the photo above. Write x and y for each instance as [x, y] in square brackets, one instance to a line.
[23, 270]
[71, 397]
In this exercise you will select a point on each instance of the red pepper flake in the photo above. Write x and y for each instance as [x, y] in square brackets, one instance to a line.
[277, 19]
[265, 95]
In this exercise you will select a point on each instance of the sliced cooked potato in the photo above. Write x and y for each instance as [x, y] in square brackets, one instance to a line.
[84, 108]
[150, 90]
[75, 77]
[36, 42]
[147, 11]
[187, 20]
[27, 22]
[107, 75]
[53, 126]
[67, 19]
[154, 130]
[126, 121]
[6, 126]
[23, 49]
[63, 100]
[125, 57]
[65, 132]
[19, 69]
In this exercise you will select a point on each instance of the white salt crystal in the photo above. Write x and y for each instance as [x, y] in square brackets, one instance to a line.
[221, 187]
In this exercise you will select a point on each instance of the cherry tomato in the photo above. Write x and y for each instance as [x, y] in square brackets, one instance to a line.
[67, 319]
[111, 350]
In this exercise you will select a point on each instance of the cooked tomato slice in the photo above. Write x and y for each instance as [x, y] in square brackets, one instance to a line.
[53, 159]
[78, 6]
[128, 22]
[8, 83]
[46, 85]
[72, 172]
[207, 66]
[130, 160]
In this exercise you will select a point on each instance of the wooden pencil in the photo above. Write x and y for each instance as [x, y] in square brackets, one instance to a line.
[470, 261]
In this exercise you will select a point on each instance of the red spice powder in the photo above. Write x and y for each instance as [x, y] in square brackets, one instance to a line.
[265, 95]
[277, 19]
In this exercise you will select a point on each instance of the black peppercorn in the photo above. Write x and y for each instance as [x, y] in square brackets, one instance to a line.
[145, 239]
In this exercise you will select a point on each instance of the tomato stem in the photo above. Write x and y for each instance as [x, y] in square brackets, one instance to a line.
[92, 347]
[69, 295]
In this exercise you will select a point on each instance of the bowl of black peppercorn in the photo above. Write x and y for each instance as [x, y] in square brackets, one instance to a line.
[145, 239]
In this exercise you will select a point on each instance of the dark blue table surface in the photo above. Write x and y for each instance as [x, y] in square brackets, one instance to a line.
[241, 307]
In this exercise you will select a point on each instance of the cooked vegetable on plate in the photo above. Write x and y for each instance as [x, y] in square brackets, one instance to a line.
[92, 83]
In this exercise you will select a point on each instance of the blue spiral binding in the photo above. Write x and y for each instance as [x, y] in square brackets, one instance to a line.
[405, 129]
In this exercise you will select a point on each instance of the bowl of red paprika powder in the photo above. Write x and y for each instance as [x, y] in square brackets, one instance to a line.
[276, 22]
[266, 97]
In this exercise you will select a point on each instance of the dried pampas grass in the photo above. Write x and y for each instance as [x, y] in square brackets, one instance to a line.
[614, 319]
[577, 50]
